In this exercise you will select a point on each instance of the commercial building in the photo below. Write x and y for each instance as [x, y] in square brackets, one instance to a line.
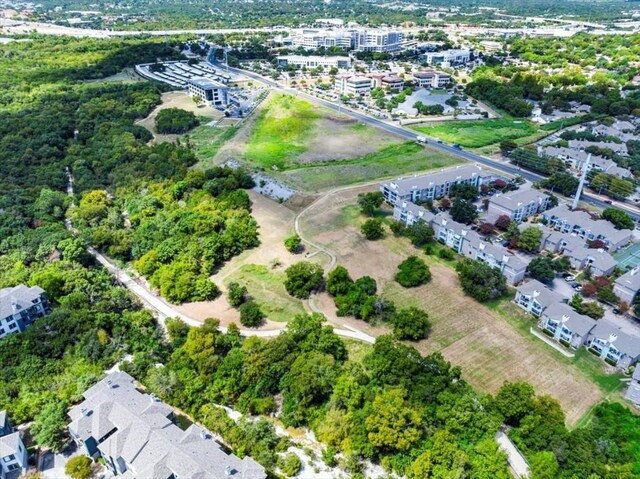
[136, 437]
[389, 81]
[431, 79]
[379, 41]
[313, 38]
[314, 61]
[13, 453]
[447, 58]
[353, 85]
[20, 306]
[209, 91]
[518, 205]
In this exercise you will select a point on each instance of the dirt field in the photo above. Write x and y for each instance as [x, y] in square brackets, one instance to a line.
[488, 348]
[177, 100]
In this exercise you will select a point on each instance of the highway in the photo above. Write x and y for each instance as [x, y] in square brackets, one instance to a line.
[411, 135]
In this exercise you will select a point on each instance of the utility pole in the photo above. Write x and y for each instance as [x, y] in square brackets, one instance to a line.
[583, 178]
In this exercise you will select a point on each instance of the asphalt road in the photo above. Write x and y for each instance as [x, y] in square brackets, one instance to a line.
[411, 135]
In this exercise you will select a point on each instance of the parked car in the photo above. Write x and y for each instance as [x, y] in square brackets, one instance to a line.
[569, 279]
[577, 287]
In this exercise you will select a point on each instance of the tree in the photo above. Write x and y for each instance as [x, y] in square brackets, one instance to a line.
[175, 121]
[293, 244]
[393, 424]
[177, 330]
[529, 239]
[251, 315]
[464, 191]
[541, 268]
[503, 222]
[544, 465]
[507, 146]
[78, 467]
[514, 401]
[481, 281]
[592, 309]
[236, 294]
[420, 233]
[463, 211]
[302, 278]
[339, 282]
[50, 425]
[413, 272]
[410, 323]
[372, 229]
[290, 464]
[370, 202]
[620, 219]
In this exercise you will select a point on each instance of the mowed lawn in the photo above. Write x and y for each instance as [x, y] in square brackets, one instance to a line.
[392, 161]
[280, 131]
[479, 133]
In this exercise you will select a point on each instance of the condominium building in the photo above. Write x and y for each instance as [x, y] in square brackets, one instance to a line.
[208, 91]
[518, 205]
[314, 61]
[20, 306]
[627, 286]
[565, 325]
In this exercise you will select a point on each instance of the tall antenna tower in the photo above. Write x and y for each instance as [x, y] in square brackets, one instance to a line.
[583, 178]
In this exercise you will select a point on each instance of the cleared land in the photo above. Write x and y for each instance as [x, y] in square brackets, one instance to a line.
[480, 133]
[207, 142]
[491, 343]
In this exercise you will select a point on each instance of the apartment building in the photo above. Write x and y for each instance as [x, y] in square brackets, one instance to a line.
[209, 91]
[633, 391]
[431, 79]
[577, 160]
[353, 85]
[314, 61]
[447, 58]
[20, 306]
[13, 453]
[534, 297]
[434, 185]
[619, 148]
[136, 437]
[626, 287]
[613, 345]
[564, 325]
[518, 205]
[598, 261]
[580, 223]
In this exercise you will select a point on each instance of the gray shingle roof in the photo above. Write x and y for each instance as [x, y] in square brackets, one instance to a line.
[623, 342]
[601, 259]
[406, 185]
[564, 314]
[514, 200]
[584, 220]
[542, 294]
[150, 443]
[630, 280]
[22, 296]
[9, 444]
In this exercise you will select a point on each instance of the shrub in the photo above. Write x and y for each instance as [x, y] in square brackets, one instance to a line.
[293, 244]
[413, 272]
[302, 278]
[372, 229]
[290, 464]
[410, 323]
[251, 315]
[447, 254]
[236, 294]
[78, 467]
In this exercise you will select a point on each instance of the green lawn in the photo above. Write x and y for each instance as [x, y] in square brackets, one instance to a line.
[266, 286]
[280, 131]
[207, 140]
[394, 160]
[479, 133]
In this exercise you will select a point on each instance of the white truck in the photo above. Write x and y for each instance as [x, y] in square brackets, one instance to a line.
[421, 139]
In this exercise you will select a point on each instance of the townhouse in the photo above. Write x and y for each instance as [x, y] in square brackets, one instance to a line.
[612, 345]
[565, 325]
[434, 185]
[20, 306]
[518, 205]
[626, 287]
[13, 453]
[136, 437]
[580, 223]
[534, 297]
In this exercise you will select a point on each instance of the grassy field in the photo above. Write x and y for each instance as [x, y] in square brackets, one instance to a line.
[207, 140]
[479, 133]
[266, 287]
[491, 343]
[395, 160]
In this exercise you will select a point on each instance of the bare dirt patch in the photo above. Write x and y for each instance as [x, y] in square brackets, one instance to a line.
[488, 348]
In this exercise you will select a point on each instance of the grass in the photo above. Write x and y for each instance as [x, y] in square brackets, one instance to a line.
[207, 141]
[267, 288]
[479, 133]
[394, 160]
[280, 131]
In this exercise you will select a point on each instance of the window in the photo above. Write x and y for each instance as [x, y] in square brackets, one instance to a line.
[9, 458]
[13, 325]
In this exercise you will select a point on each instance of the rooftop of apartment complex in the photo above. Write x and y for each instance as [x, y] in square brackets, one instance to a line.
[513, 200]
[585, 221]
[406, 185]
[17, 298]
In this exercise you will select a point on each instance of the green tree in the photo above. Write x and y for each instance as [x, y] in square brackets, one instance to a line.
[370, 202]
[420, 233]
[293, 244]
[236, 294]
[372, 229]
[544, 465]
[542, 269]
[50, 425]
[514, 401]
[481, 281]
[507, 146]
[290, 464]
[393, 424]
[463, 211]
[178, 331]
[251, 315]
[79, 467]
[302, 278]
[529, 239]
[620, 219]
[410, 323]
[175, 121]
[339, 282]
[464, 191]
[413, 272]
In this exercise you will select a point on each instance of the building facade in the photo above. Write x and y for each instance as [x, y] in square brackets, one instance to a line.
[353, 85]
[314, 61]
[613, 346]
[13, 453]
[447, 57]
[20, 306]
[534, 297]
[566, 326]
[209, 91]
[518, 205]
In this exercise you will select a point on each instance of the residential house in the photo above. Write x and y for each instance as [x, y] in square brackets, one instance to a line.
[534, 297]
[626, 287]
[566, 326]
[136, 437]
[563, 219]
[434, 185]
[599, 261]
[613, 345]
[20, 306]
[633, 391]
[518, 205]
[13, 453]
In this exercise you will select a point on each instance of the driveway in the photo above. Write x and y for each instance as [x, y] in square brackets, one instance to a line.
[563, 288]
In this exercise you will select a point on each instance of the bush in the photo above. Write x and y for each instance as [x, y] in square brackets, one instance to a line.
[410, 323]
[251, 315]
[372, 229]
[293, 244]
[302, 278]
[175, 121]
[447, 254]
[78, 467]
[290, 464]
[413, 272]
[236, 294]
